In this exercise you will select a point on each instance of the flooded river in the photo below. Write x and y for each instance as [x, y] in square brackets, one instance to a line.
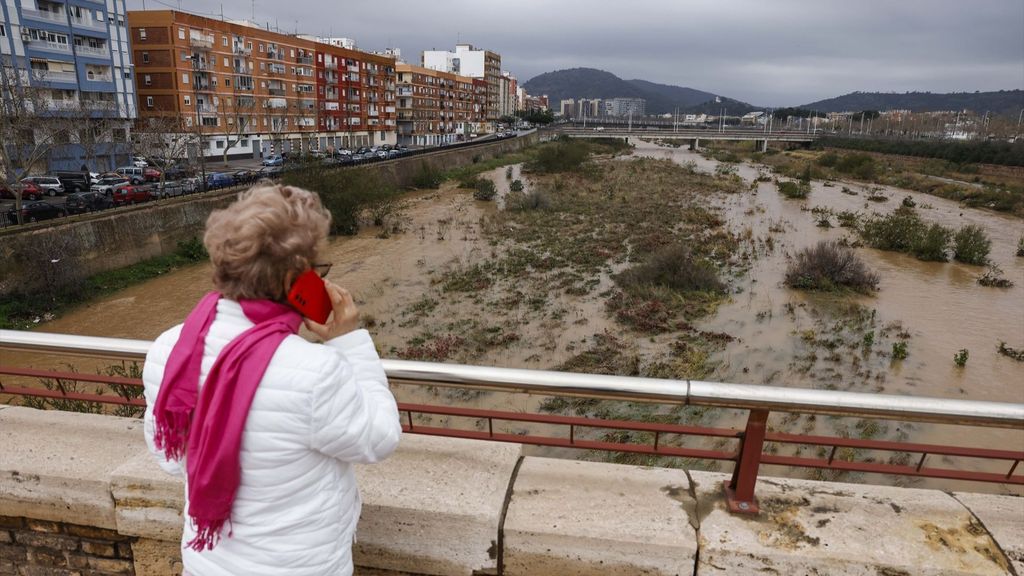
[782, 337]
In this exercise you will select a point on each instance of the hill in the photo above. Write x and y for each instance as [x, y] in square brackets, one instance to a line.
[661, 98]
[1003, 102]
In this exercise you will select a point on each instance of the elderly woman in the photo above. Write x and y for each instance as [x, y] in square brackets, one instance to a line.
[266, 425]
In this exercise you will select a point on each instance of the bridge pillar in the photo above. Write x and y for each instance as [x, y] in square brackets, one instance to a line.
[761, 145]
[695, 144]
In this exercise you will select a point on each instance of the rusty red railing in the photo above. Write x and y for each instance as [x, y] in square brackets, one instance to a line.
[659, 439]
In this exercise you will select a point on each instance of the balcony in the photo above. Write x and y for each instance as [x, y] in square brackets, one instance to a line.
[276, 103]
[89, 23]
[351, 77]
[276, 91]
[206, 108]
[99, 77]
[44, 15]
[49, 46]
[352, 69]
[241, 50]
[331, 106]
[389, 110]
[203, 42]
[354, 121]
[54, 76]
[276, 70]
[331, 65]
[202, 87]
[353, 98]
[307, 60]
[331, 78]
[372, 113]
[405, 91]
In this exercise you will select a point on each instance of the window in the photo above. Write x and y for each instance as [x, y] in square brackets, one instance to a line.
[261, 47]
[142, 33]
[227, 82]
[226, 64]
[188, 100]
[181, 33]
[220, 144]
[147, 79]
[184, 78]
[145, 57]
[224, 40]
[293, 52]
[127, 75]
[248, 46]
[149, 101]
[120, 135]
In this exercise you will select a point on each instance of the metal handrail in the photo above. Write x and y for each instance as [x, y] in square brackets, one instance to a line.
[686, 392]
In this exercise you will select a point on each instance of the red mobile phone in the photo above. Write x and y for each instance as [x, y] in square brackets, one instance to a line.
[309, 296]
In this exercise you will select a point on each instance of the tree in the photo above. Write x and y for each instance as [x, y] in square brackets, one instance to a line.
[31, 125]
[92, 129]
[235, 120]
[165, 141]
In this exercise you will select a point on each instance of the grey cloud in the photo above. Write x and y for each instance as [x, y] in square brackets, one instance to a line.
[778, 52]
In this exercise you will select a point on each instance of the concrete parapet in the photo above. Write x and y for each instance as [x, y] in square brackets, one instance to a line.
[435, 506]
[808, 527]
[1003, 519]
[581, 518]
[82, 491]
[56, 465]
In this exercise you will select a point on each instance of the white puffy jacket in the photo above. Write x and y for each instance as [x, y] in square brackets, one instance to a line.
[318, 409]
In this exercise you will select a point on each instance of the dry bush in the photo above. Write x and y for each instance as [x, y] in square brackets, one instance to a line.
[829, 266]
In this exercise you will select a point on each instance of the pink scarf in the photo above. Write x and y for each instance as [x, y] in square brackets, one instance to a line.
[208, 425]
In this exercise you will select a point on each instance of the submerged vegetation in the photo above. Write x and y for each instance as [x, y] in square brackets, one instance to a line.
[829, 266]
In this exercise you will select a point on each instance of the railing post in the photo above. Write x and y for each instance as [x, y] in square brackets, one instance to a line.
[739, 492]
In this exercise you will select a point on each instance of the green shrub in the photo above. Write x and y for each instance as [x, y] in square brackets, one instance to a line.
[899, 350]
[427, 177]
[828, 159]
[485, 190]
[533, 200]
[560, 157]
[192, 250]
[971, 245]
[861, 166]
[899, 231]
[516, 186]
[344, 193]
[675, 268]
[793, 189]
[960, 358]
[829, 266]
[931, 245]
[1020, 247]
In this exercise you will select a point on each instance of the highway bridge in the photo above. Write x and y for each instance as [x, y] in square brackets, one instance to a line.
[694, 136]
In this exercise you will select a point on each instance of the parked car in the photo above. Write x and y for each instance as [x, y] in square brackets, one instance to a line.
[190, 184]
[151, 174]
[28, 190]
[269, 172]
[80, 202]
[136, 174]
[35, 211]
[74, 181]
[50, 185]
[245, 176]
[139, 161]
[130, 195]
[273, 161]
[219, 180]
[167, 190]
[107, 183]
[177, 172]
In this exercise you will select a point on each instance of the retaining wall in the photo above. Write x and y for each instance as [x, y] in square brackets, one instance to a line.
[77, 247]
[80, 494]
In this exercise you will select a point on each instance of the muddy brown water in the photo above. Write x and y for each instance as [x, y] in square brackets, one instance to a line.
[938, 308]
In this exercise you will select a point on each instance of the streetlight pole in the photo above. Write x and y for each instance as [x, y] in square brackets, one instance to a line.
[199, 125]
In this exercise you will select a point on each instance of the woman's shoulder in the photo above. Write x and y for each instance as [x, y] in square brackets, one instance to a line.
[305, 357]
[160, 350]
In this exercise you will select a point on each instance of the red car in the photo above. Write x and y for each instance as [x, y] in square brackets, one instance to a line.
[130, 195]
[30, 191]
[151, 174]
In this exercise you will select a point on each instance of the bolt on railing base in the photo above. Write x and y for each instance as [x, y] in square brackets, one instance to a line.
[737, 506]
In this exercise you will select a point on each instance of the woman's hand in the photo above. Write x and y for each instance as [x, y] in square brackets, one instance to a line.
[343, 320]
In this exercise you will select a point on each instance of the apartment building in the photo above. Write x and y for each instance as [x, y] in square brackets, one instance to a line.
[508, 102]
[625, 107]
[74, 57]
[474, 63]
[250, 93]
[437, 107]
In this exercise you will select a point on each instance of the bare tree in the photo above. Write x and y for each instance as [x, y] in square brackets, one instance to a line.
[165, 140]
[236, 120]
[31, 125]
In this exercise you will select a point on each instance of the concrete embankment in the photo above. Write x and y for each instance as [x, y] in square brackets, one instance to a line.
[80, 491]
[81, 246]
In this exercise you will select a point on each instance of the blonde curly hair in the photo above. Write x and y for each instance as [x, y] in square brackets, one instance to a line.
[268, 235]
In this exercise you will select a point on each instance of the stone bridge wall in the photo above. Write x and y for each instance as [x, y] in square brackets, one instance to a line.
[114, 239]
[81, 495]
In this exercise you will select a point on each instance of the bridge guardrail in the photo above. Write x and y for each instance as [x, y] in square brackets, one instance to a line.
[660, 439]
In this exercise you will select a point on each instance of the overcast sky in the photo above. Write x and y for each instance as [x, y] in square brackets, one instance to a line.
[765, 52]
